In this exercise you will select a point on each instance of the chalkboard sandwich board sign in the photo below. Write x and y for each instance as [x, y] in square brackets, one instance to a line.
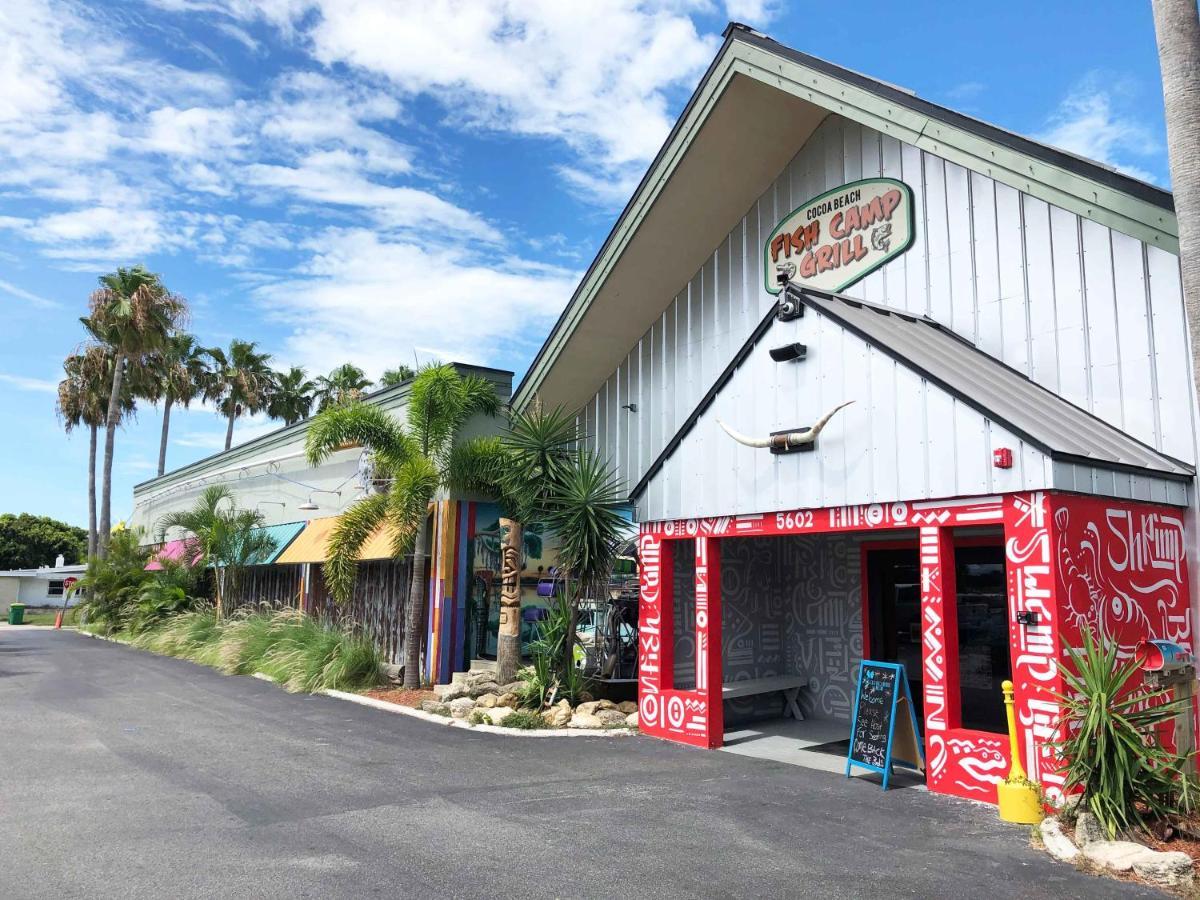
[884, 730]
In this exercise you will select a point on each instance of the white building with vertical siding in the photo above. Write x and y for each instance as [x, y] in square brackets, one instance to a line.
[1017, 462]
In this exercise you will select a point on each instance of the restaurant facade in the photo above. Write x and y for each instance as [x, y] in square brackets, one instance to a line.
[884, 382]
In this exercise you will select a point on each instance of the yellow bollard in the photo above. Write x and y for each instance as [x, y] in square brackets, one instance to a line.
[1017, 796]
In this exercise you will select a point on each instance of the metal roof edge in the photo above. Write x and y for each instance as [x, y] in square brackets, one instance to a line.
[803, 295]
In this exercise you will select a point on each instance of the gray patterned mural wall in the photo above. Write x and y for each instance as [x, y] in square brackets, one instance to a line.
[788, 605]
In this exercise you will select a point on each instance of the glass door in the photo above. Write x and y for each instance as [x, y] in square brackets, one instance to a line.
[894, 610]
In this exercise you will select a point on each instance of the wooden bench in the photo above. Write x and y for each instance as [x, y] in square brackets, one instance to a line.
[788, 685]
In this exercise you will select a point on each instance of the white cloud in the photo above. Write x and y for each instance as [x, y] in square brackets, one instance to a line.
[752, 12]
[595, 76]
[36, 299]
[383, 298]
[22, 383]
[1094, 121]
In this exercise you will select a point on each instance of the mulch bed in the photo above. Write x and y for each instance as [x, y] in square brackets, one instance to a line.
[401, 697]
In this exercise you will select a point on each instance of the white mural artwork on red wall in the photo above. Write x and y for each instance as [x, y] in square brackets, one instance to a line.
[1072, 562]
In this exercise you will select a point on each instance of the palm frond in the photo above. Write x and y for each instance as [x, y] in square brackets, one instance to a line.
[352, 530]
[358, 423]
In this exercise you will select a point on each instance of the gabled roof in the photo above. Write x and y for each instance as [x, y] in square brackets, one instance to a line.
[755, 107]
[1046, 421]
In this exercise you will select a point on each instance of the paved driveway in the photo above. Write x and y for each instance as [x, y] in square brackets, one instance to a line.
[129, 775]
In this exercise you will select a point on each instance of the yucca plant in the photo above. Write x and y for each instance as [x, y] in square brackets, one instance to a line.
[1114, 755]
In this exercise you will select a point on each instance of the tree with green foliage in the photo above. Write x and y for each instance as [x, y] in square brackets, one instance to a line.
[345, 384]
[398, 375]
[219, 534]
[292, 398]
[414, 461]
[28, 541]
[539, 473]
[83, 400]
[132, 314]
[242, 382]
[113, 582]
[175, 373]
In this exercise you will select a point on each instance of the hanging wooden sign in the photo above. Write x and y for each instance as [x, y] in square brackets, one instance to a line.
[840, 236]
[884, 729]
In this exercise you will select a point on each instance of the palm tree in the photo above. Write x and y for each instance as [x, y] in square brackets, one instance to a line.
[393, 377]
[292, 397]
[414, 461]
[176, 373]
[1177, 26]
[83, 400]
[523, 469]
[229, 539]
[344, 384]
[132, 313]
[242, 382]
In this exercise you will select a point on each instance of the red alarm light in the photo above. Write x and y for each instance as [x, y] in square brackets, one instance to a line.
[1002, 458]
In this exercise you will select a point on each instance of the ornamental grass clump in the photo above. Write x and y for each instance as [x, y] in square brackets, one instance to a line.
[1115, 757]
[295, 650]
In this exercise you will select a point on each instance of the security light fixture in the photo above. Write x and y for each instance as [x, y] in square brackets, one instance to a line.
[308, 504]
[789, 353]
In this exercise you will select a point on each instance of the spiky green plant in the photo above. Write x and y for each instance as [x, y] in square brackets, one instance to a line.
[1113, 746]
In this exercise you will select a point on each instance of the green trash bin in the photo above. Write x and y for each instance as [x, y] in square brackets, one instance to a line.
[16, 614]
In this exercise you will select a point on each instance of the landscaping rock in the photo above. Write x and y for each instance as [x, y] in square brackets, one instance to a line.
[583, 720]
[1170, 867]
[487, 701]
[610, 716]
[627, 706]
[499, 714]
[585, 697]
[508, 698]
[1088, 830]
[589, 707]
[448, 692]
[513, 687]
[605, 704]
[461, 707]
[479, 688]
[1118, 856]
[1057, 843]
[558, 715]
[436, 707]
[392, 672]
[632, 719]
[459, 678]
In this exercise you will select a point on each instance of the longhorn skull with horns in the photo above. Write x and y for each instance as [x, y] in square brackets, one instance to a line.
[788, 440]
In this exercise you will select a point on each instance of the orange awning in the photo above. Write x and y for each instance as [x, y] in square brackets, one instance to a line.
[309, 546]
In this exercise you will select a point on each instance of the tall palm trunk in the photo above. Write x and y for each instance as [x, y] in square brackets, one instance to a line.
[508, 640]
[1177, 26]
[414, 618]
[162, 442]
[94, 429]
[110, 436]
[229, 431]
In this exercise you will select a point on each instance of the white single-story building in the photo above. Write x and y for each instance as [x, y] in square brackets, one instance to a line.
[43, 586]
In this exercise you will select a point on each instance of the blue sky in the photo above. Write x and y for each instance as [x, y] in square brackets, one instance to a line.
[376, 180]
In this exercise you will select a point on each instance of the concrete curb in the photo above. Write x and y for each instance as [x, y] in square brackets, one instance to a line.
[487, 729]
[425, 716]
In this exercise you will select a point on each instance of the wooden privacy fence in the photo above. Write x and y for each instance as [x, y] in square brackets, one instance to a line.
[275, 586]
[377, 607]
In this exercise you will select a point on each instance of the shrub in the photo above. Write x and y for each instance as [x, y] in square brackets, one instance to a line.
[548, 680]
[1114, 755]
[524, 719]
[111, 585]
